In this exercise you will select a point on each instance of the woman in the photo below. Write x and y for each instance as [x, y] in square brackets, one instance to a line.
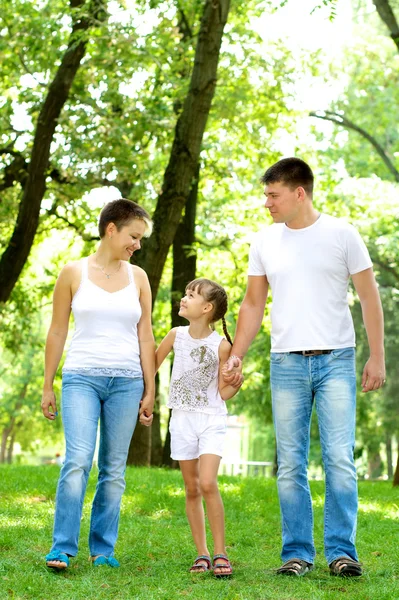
[108, 377]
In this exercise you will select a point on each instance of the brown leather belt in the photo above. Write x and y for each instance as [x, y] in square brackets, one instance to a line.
[311, 352]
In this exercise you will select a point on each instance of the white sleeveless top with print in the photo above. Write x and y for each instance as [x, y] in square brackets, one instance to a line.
[194, 384]
[105, 341]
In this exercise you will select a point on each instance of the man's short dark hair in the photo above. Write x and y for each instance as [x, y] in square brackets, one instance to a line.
[292, 172]
[121, 212]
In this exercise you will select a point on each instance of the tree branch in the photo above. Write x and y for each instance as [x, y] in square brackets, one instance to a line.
[338, 119]
[17, 170]
[386, 267]
[85, 237]
[387, 15]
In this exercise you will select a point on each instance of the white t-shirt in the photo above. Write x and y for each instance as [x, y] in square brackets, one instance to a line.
[308, 272]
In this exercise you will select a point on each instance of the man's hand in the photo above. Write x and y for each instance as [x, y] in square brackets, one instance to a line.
[373, 374]
[49, 401]
[232, 371]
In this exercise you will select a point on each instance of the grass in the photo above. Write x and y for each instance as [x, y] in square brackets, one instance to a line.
[155, 548]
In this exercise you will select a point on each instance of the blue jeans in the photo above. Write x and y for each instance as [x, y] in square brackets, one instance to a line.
[296, 381]
[114, 401]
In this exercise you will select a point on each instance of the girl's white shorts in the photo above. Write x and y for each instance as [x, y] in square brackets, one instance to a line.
[193, 434]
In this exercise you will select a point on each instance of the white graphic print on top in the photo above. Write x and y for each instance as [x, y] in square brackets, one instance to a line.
[194, 383]
[191, 389]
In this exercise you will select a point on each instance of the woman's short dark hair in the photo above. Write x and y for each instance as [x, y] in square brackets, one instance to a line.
[121, 212]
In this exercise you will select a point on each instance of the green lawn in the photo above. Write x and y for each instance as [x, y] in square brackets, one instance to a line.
[155, 548]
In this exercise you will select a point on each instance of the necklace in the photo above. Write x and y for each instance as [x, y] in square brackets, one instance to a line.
[108, 275]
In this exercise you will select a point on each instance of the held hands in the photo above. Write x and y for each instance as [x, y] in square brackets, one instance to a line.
[232, 372]
[146, 408]
[373, 376]
[49, 401]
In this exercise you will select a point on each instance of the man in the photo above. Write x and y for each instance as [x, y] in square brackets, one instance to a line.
[307, 258]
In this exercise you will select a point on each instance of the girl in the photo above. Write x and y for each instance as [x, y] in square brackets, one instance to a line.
[198, 423]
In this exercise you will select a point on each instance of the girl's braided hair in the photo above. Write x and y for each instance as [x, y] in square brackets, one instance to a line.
[216, 295]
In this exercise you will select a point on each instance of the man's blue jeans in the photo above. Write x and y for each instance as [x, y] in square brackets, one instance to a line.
[86, 400]
[296, 381]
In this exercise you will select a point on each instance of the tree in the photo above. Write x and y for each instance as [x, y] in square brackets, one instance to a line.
[365, 112]
[387, 15]
[32, 174]
[128, 109]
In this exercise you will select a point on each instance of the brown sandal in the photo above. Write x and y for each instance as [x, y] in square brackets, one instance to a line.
[202, 564]
[295, 567]
[222, 565]
[345, 567]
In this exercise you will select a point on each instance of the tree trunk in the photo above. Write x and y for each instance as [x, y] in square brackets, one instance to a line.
[167, 460]
[396, 475]
[387, 15]
[10, 448]
[275, 464]
[184, 269]
[156, 440]
[388, 446]
[374, 465]
[183, 165]
[190, 127]
[140, 447]
[18, 249]
[3, 450]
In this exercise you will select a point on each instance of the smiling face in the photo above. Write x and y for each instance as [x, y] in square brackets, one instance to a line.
[127, 240]
[284, 203]
[193, 305]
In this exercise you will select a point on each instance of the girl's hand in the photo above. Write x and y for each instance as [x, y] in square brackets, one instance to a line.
[49, 401]
[145, 420]
[232, 371]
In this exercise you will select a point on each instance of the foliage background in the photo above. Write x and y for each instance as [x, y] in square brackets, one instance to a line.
[114, 137]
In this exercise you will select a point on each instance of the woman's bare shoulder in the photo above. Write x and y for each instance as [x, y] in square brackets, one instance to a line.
[70, 271]
[139, 274]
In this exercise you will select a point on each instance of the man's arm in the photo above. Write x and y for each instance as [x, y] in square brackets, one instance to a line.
[373, 319]
[250, 318]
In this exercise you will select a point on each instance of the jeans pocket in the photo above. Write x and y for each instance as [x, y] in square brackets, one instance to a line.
[278, 357]
[344, 353]
[70, 379]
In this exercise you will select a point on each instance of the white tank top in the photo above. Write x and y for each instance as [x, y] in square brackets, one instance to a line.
[105, 339]
[194, 384]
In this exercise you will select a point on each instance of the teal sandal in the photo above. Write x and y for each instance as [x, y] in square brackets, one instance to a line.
[60, 557]
[101, 560]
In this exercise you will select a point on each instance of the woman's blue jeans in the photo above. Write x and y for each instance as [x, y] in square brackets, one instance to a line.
[330, 380]
[86, 400]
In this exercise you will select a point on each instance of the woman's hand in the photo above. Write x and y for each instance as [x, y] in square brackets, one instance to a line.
[146, 408]
[49, 401]
[144, 420]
